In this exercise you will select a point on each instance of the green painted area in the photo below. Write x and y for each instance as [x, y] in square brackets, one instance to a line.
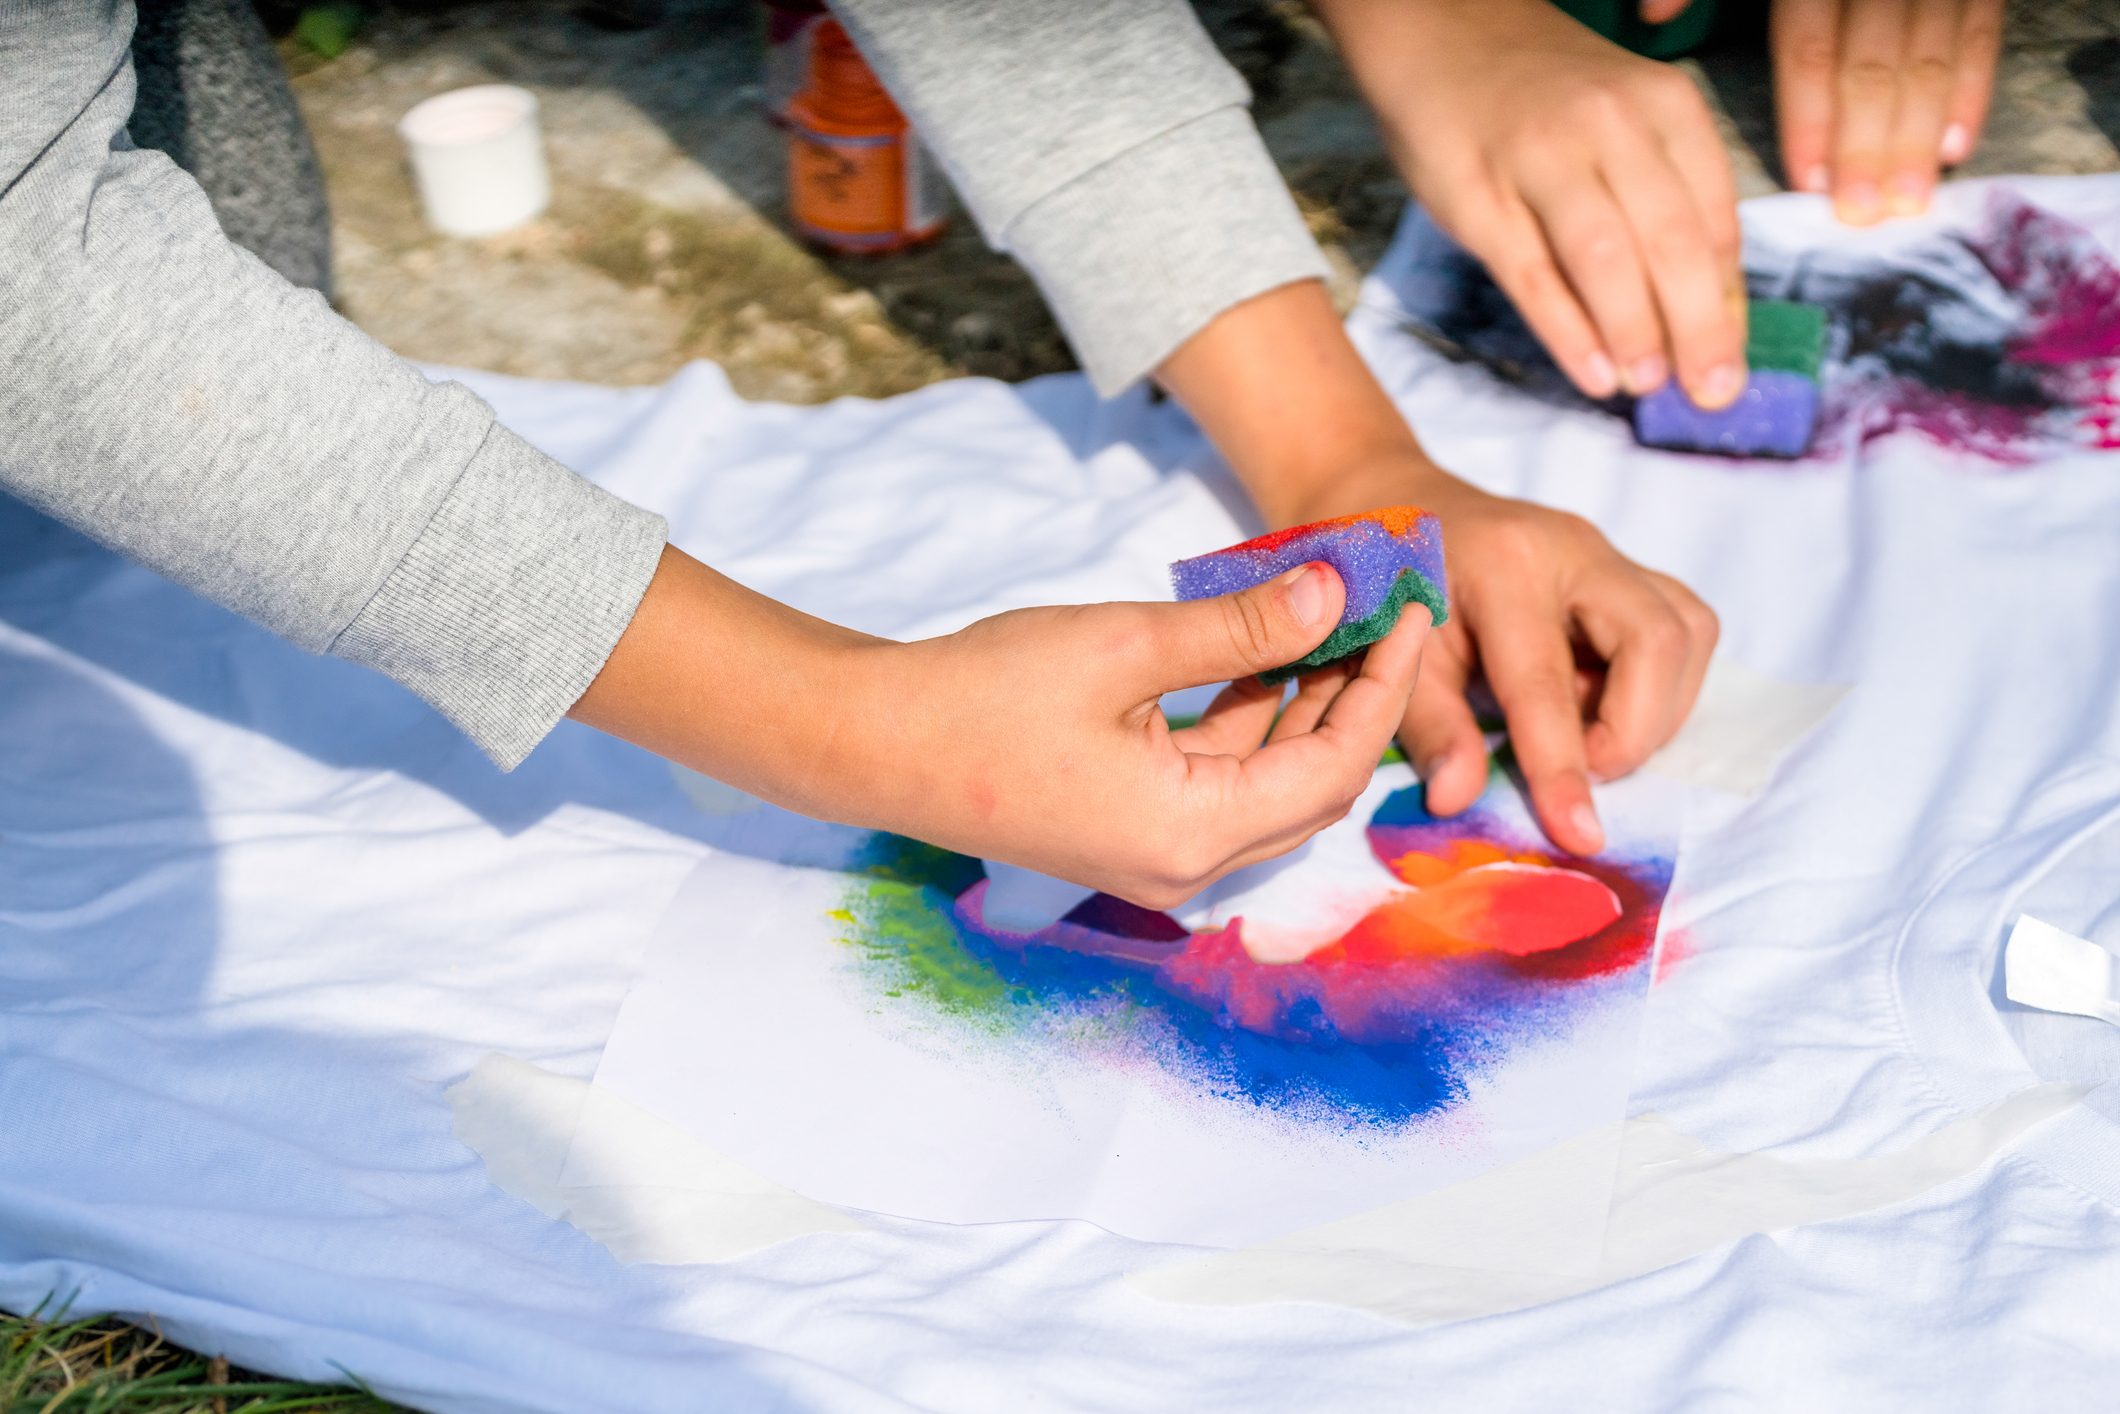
[1786, 337]
[907, 933]
[1411, 587]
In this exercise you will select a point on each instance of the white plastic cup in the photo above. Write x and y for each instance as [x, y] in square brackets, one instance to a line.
[478, 159]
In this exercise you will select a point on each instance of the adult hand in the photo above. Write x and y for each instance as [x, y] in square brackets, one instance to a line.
[1593, 660]
[1592, 183]
[1033, 737]
[1876, 96]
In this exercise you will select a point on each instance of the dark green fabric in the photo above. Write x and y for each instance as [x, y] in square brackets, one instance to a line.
[1620, 21]
[1411, 587]
[1787, 337]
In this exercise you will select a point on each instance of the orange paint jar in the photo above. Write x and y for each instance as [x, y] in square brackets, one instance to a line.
[857, 178]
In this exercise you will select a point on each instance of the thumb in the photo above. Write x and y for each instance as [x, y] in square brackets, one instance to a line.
[1234, 635]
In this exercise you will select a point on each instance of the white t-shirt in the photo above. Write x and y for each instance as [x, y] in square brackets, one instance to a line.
[258, 909]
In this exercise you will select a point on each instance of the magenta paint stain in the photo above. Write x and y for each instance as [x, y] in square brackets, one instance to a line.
[2000, 343]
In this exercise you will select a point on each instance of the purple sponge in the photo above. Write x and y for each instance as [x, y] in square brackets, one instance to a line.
[1772, 417]
[1387, 559]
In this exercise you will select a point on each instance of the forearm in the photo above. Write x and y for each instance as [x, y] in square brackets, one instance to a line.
[742, 688]
[1389, 46]
[173, 398]
[1105, 144]
[1279, 388]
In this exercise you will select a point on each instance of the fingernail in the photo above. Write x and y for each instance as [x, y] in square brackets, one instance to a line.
[1857, 203]
[1600, 379]
[1308, 595]
[1583, 820]
[1647, 374]
[1721, 386]
[1909, 196]
[1957, 143]
[1815, 178]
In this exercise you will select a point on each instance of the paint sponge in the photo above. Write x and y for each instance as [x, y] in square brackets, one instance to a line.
[1387, 559]
[1777, 411]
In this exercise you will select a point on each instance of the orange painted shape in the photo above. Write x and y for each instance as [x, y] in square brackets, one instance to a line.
[1520, 908]
[1513, 909]
[1427, 868]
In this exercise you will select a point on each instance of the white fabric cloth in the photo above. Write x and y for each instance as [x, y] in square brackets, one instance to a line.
[258, 910]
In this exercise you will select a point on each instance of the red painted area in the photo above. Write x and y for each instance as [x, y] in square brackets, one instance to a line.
[1396, 520]
[1489, 928]
[1677, 948]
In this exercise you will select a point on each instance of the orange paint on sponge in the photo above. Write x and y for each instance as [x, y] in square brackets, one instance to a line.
[1386, 558]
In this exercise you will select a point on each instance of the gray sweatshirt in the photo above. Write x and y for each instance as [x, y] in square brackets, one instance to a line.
[167, 394]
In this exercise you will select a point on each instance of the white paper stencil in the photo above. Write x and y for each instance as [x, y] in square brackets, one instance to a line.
[1429, 999]
[641, 1188]
[1742, 725]
[1675, 1198]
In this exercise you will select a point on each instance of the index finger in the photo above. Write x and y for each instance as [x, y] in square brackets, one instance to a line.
[1806, 43]
[1927, 71]
[1655, 637]
[1979, 46]
[1691, 282]
[1308, 780]
[1531, 670]
[1872, 47]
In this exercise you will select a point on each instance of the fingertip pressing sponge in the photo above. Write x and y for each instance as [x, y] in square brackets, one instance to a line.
[1777, 411]
[1387, 559]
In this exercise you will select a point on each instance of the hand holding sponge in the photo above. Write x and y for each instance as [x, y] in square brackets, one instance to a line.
[1386, 558]
[1777, 411]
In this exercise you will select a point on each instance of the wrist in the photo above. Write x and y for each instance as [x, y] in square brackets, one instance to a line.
[1392, 476]
[719, 678]
[864, 762]
[1279, 388]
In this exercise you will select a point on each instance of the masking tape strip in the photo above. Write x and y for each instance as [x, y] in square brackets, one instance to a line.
[1675, 1199]
[1741, 726]
[642, 1188]
[2053, 970]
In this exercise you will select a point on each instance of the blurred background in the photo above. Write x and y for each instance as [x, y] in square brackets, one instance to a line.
[668, 236]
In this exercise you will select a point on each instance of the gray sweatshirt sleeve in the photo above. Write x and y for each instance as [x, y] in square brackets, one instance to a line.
[1107, 146]
[167, 394]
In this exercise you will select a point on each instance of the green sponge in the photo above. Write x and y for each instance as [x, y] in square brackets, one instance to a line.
[1785, 337]
[1354, 635]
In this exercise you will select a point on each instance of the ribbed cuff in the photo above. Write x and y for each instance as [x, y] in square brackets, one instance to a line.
[1138, 255]
[506, 607]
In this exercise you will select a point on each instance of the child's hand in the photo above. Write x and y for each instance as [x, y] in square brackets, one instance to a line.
[1035, 737]
[1875, 96]
[1534, 593]
[1032, 737]
[1594, 661]
[1590, 182]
